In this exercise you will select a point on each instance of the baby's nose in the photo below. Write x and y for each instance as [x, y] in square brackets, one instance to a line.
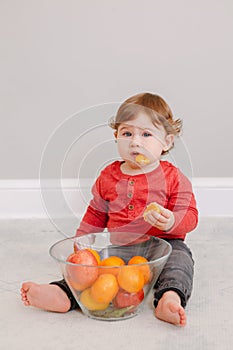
[135, 141]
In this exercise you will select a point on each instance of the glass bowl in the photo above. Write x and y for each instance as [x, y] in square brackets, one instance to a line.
[116, 287]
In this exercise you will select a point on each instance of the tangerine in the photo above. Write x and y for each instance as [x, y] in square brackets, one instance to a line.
[87, 300]
[130, 278]
[145, 269]
[111, 261]
[152, 206]
[105, 288]
[141, 159]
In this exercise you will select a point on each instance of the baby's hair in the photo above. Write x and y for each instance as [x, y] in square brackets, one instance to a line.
[154, 106]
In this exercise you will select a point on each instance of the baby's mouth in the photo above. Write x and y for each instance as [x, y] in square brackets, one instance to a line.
[141, 159]
[135, 154]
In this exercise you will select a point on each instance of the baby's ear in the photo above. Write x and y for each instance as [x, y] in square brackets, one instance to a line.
[169, 140]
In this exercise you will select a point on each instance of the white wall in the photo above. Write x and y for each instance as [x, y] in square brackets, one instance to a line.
[59, 57]
[29, 198]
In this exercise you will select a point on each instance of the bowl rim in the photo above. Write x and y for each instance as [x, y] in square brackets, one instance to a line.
[107, 267]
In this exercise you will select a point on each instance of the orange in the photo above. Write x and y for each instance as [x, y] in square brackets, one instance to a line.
[87, 300]
[96, 254]
[130, 279]
[111, 261]
[151, 207]
[105, 288]
[145, 269]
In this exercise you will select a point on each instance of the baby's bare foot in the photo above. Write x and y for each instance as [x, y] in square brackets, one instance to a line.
[45, 296]
[169, 309]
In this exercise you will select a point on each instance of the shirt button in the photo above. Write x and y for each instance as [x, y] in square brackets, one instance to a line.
[131, 207]
[131, 182]
[130, 195]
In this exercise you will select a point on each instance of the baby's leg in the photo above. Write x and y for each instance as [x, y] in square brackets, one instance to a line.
[174, 286]
[45, 296]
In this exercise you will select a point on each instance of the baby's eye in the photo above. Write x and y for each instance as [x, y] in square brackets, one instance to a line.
[127, 134]
[147, 134]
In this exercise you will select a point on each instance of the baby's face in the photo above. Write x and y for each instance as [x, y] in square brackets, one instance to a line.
[141, 136]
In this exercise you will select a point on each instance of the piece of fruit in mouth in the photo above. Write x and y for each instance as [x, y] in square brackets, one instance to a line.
[141, 159]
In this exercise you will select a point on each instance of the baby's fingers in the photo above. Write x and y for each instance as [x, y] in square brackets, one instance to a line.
[158, 217]
[165, 213]
[154, 219]
[163, 220]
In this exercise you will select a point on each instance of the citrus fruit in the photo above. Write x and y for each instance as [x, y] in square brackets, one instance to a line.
[111, 261]
[130, 278]
[151, 207]
[104, 288]
[145, 269]
[87, 300]
[141, 159]
[84, 271]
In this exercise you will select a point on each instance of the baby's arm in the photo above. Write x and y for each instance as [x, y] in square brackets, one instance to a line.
[96, 215]
[183, 205]
[180, 215]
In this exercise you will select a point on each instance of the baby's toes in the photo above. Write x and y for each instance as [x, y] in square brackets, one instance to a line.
[182, 318]
[24, 297]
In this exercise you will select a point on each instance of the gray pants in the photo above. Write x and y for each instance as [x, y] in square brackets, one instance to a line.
[177, 275]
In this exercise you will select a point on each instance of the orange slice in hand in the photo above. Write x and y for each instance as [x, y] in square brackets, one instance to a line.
[152, 206]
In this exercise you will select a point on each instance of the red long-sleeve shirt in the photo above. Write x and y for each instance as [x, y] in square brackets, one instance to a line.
[119, 201]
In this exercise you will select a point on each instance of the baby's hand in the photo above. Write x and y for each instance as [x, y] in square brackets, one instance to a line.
[159, 217]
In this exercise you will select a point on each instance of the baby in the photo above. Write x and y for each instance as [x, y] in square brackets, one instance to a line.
[144, 129]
